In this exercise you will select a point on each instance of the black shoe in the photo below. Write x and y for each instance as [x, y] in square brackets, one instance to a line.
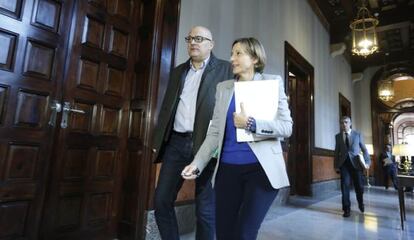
[346, 214]
[361, 207]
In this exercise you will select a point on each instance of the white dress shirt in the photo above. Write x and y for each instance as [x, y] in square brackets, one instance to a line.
[185, 115]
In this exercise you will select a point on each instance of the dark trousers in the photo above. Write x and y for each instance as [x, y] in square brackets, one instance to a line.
[348, 172]
[243, 197]
[178, 154]
[390, 171]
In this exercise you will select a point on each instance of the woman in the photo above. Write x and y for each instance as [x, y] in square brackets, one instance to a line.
[247, 175]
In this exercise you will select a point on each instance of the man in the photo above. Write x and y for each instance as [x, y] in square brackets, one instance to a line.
[348, 144]
[389, 166]
[183, 121]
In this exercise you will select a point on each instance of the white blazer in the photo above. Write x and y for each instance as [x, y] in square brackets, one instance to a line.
[268, 152]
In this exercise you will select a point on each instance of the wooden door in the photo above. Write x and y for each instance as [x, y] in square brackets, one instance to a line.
[298, 164]
[299, 81]
[86, 172]
[33, 43]
[344, 106]
[303, 177]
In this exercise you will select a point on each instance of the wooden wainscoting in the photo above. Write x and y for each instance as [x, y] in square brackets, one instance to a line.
[322, 168]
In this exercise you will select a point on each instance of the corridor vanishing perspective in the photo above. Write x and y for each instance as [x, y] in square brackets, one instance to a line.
[321, 218]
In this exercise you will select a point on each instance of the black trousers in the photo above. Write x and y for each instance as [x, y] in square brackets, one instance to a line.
[348, 173]
[178, 154]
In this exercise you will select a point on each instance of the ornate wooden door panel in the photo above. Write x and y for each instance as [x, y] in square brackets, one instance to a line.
[33, 42]
[85, 185]
[299, 140]
[303, 178]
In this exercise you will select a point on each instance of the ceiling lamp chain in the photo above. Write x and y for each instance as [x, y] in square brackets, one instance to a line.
[364, 35]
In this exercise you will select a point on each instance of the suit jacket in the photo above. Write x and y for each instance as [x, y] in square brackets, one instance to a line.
[384, 155]
[357, 145]
[217, 70]
[268, 152]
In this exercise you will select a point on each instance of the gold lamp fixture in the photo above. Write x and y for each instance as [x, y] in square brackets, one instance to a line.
[385, 87]
[386, 90]
[406, 151]
[364, 35]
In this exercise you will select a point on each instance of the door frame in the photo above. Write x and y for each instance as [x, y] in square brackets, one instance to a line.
[155, 59]
[344, 106]
[295, 62]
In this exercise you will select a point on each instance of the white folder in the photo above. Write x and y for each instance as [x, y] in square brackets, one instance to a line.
[260, 100]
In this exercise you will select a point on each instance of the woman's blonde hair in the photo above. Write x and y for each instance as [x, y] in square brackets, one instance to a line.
[255, 49]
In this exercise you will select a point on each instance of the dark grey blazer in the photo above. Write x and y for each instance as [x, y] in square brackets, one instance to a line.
[357, 145]
[216, 71]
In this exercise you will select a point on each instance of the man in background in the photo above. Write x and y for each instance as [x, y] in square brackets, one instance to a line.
[389, 166]
[348, 144]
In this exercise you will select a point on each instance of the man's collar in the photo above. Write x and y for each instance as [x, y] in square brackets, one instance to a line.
[203, 65]
[349, 132]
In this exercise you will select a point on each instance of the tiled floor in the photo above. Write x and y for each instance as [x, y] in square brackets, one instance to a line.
[318, 219]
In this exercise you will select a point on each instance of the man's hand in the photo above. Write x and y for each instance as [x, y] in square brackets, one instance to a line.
[240, 119]
[190, 172]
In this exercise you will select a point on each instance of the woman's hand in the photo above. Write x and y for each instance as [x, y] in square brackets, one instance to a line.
[240, 119]
[190, 172]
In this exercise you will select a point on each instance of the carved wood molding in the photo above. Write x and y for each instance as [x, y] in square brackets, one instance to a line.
[319, 14]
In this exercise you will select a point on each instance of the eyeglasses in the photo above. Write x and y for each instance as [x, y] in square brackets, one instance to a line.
[197, 39]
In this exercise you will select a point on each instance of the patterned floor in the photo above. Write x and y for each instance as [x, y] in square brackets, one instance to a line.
[318, 219]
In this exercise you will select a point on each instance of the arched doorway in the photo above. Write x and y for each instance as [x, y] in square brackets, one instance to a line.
[385, 113]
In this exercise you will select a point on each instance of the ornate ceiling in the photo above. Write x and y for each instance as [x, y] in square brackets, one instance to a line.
[395, 29]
